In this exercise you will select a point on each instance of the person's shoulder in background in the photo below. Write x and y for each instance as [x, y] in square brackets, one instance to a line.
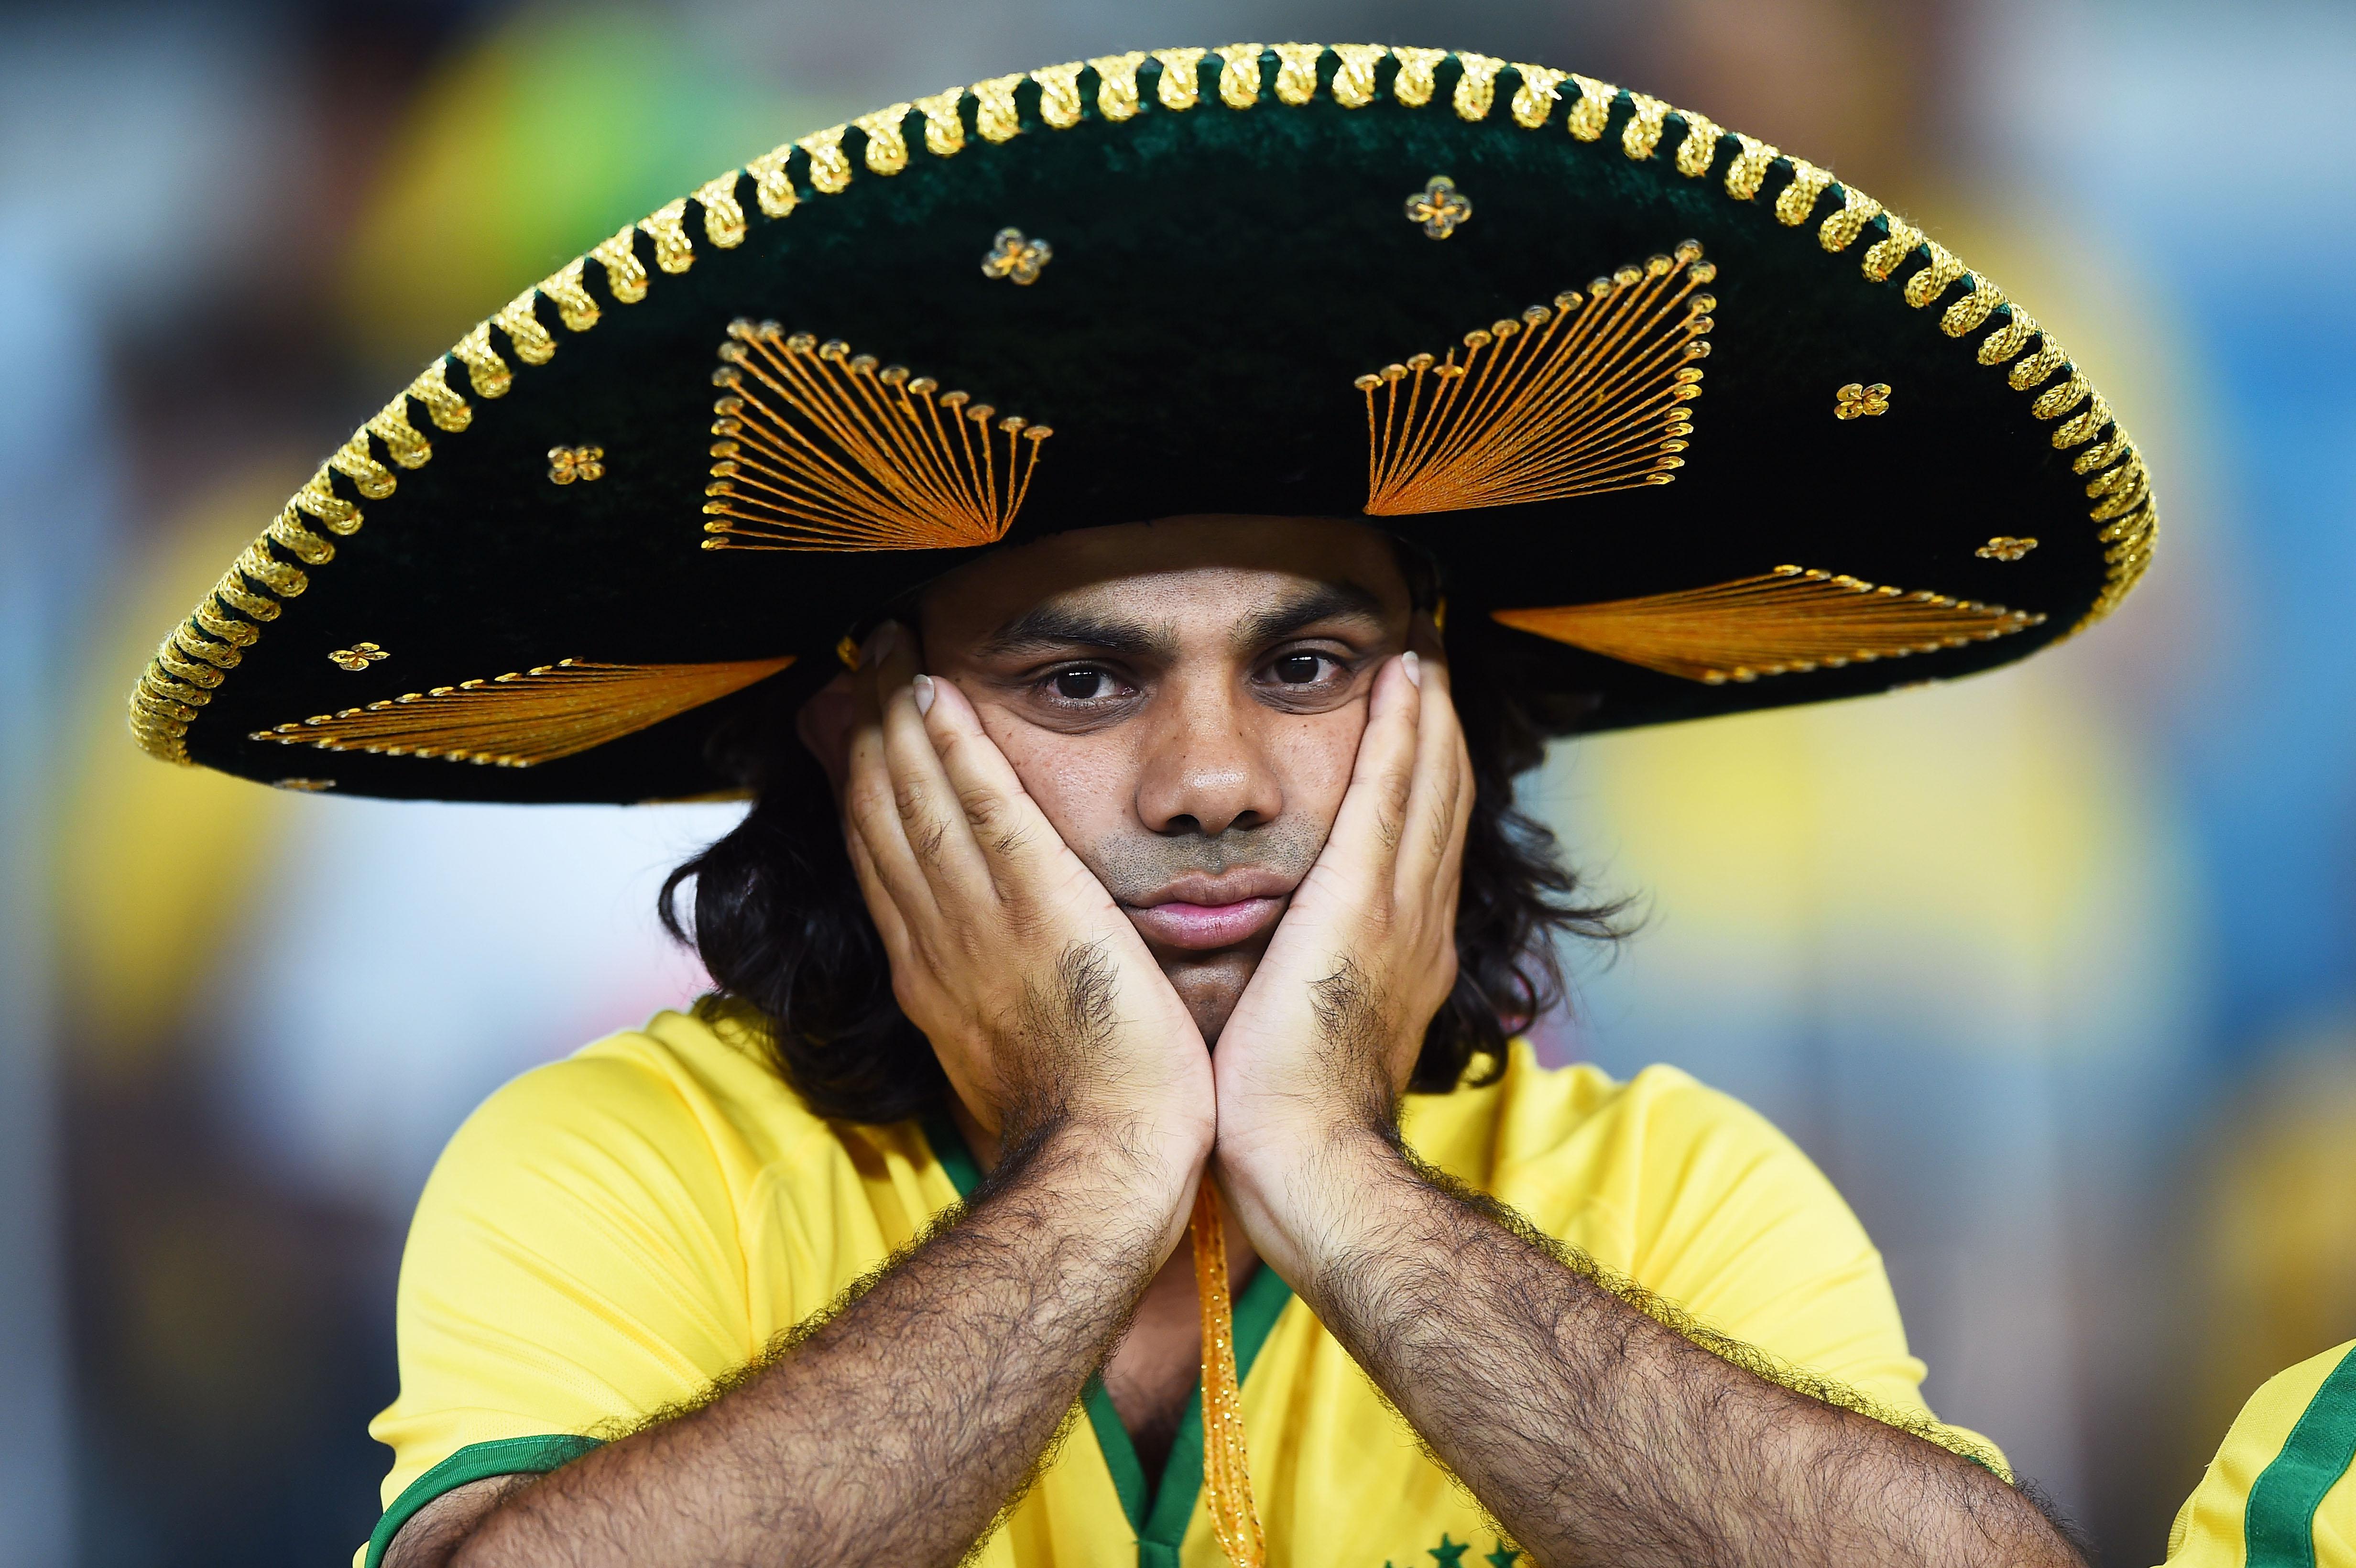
[2282, 1490]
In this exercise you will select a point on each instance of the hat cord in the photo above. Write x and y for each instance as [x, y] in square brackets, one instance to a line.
[1226, 1473]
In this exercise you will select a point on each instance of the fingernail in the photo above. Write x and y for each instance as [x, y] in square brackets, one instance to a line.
[880, 643]
[923, 684]
[1414, 667]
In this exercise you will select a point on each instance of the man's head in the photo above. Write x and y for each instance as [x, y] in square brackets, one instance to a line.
[1184, 699]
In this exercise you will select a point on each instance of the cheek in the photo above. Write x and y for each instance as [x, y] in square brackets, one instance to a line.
[1314, 758]
[1083, 784]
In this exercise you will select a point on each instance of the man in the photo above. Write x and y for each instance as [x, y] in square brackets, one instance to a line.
[1128, 857]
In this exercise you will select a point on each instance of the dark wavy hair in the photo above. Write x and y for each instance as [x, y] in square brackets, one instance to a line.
[781, 924]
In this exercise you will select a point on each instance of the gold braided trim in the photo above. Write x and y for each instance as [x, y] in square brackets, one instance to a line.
[1534, 100]
[1181, 85]
[724, 215]
[1589, 395]
[1414, 83]
[524, 717]
[773, 181]
[819, 449]
[830, 165]
[1354, 73]
[1226, 1467]
[944, 127]
[1752, 159]
[1791, 620]
[1059, 94]
[1798, 200]
[1699, 148]
[1646, 118]
[1296, 72]
[1838, 232]
[626, 275]
[667, 226]
[1116, 97]
[1588, 115]
[1476, 85]
[575, 306]
[887, 151]
[1238, 74]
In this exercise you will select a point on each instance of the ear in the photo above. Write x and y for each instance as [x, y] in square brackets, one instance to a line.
[825, 724]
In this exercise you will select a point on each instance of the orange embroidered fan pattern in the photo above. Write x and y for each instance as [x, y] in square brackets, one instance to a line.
[1591, 394]
[527, 717]
[1791, 620]
[820, 449]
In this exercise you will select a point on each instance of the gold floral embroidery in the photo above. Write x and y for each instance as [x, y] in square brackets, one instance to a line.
[2004, 547]
[1856, 402]
[357, 658]
[1014, 258]
[567, 463]
[1440, 207]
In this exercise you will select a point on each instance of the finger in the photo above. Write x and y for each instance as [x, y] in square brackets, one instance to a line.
[1008, 828]
[1374, 809]
[1439, 799]
[868, 798]
[936, 828]
[890, 923]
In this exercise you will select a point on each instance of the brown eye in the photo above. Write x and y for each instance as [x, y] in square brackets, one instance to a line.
[1297, 669]
[1080, 684]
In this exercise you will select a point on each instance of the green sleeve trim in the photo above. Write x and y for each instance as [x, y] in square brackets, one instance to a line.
[2278, 1520]
[475, 1462]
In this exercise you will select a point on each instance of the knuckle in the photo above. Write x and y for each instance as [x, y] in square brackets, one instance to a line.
[907, 797]
[982, 805]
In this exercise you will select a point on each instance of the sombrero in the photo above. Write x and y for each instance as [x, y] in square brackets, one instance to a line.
[1697, 427]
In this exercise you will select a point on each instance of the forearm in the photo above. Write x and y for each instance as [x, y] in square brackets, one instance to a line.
[1590, 1431]
[898, 1428]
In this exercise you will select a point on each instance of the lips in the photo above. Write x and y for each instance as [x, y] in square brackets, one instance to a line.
[1200, 913]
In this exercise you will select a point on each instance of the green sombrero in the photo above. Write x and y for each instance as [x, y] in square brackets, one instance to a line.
[1701, 427]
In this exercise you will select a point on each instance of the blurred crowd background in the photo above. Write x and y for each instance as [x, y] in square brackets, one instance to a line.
[2053, 970]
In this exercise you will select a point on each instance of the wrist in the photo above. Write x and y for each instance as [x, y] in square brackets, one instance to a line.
[1305, 1195]
[1121, 1172]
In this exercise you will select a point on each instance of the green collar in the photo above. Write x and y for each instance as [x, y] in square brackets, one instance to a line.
[1160, 1529]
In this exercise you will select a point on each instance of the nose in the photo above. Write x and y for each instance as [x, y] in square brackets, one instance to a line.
[1205, 769]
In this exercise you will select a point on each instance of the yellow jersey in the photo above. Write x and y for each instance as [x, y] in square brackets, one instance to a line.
[2281, 1492]
[608, 1234]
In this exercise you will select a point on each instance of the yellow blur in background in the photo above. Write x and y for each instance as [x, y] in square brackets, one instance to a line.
[2031, 964]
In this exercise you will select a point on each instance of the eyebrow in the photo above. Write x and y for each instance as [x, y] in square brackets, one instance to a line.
[1046, 627]
[1049, 626]
[1325, 602]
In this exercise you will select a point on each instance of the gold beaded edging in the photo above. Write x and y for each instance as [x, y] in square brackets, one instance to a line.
[194, 660]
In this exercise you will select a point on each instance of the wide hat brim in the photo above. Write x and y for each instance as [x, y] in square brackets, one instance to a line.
[1466, 300]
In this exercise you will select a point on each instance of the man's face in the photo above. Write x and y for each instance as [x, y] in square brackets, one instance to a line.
[1184, 699]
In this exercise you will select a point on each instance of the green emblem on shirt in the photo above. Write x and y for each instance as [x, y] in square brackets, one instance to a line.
[1451, 1554]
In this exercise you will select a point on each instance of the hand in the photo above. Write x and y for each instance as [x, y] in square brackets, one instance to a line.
[1037, 993]
[1327, 1032]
